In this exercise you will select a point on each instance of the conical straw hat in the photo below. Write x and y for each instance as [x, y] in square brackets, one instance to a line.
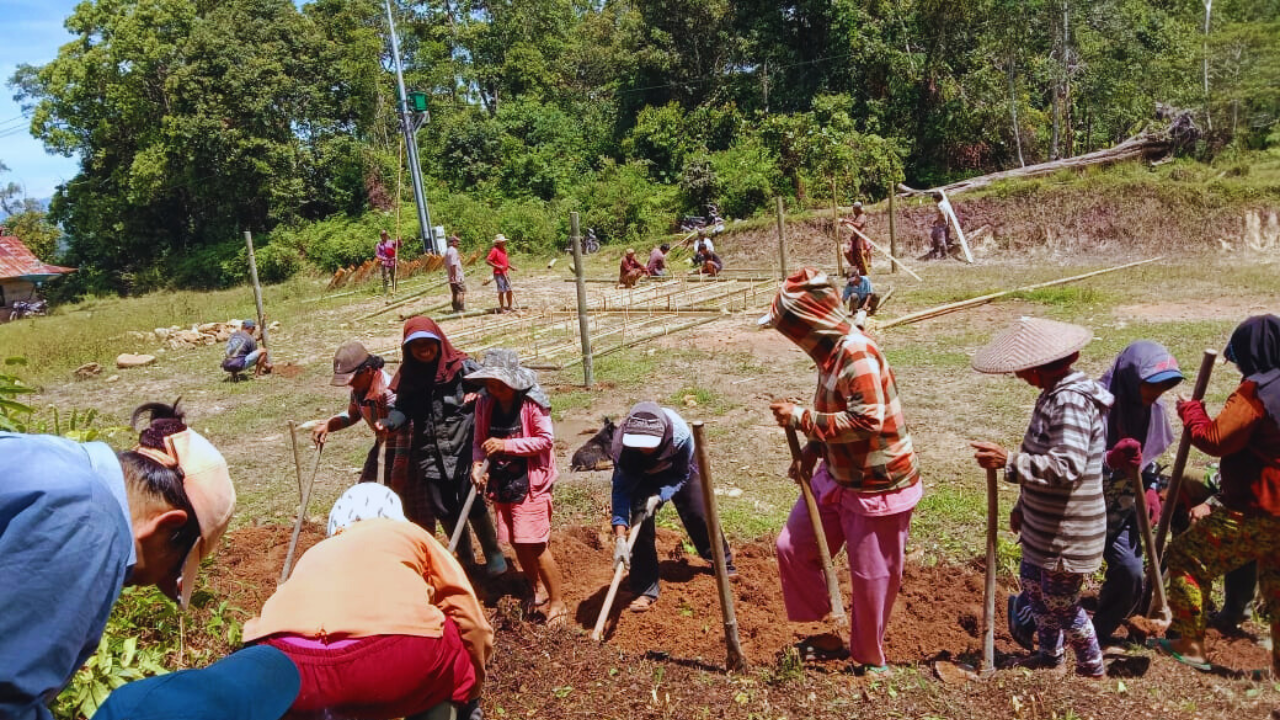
[1028, 343]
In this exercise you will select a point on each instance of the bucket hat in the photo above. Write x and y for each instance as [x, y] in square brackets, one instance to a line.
[1028, 343]
[503, 365]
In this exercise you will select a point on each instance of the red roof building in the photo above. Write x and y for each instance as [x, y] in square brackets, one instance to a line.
[21, 272]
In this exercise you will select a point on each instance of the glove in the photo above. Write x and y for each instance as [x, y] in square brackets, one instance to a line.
[1126, 456]
[395, 420]
[621, 553]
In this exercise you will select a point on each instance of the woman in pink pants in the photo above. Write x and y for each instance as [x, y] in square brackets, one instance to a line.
[868, 482]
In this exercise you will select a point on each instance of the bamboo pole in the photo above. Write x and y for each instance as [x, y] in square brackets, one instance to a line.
[782, 241]
[735, 660]
[893, 235]
[584, 328]
[835, 228]
[404, 301]
[989, 596]
[645, 338]
[257, 289]
[982, 299]
[895, 261]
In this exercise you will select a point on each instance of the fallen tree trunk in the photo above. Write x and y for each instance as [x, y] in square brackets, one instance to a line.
[1146, 144]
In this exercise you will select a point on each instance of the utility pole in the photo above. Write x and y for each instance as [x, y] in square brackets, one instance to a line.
[409, 125]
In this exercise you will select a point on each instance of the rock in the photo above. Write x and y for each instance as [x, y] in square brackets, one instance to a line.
[208, 328]
[224, 333]
[690, 401]
[88, 370]
[140, 336]
[127, 360]
[954, 674]
[186, 339]
[273, 325]
[162, 333]
[113, 378]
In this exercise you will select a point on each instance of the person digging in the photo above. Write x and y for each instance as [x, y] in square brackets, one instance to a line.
[868, 483]
[371, 400]
[654, 463]
[77, 523]
[243, 351]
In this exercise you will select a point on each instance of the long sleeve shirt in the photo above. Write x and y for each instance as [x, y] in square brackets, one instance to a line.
[66, 548]
[664, 479]
[1059, 466]
[378, 577]
[1248, 441]
[537, 441]
[373, 406]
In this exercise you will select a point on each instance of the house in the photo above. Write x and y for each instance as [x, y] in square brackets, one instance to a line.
[21, 272]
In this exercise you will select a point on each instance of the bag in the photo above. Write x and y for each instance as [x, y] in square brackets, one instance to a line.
[233, 364]
[508, 479]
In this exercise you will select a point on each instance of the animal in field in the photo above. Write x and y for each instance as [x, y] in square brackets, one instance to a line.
[594, 453]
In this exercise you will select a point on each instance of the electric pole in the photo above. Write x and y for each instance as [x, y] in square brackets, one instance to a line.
[409, 125]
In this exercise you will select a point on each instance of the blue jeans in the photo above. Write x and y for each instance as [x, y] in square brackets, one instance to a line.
[1121, 590]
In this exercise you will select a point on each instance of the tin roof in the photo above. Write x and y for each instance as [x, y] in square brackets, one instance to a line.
[16, 261]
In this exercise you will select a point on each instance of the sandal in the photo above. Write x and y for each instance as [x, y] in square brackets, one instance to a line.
[557, 615]
[642, 604]
[1162, 646]
[818, 648]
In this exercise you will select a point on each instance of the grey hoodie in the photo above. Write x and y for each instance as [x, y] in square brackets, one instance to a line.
[1059, 466]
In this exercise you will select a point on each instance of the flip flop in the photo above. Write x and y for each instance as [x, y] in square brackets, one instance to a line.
[558, 617]
[641, 604]
[1162, 646]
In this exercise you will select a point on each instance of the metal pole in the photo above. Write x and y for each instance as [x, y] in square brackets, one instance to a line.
[893, 234]
[584, 320]
[257, 289]
[782, 244]
[408, 126]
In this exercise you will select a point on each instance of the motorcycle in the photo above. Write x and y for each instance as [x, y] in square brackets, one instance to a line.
[712, 221]
[590, 243]
[24, 308]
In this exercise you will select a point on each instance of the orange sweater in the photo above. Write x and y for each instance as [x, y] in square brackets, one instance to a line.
[378, 577]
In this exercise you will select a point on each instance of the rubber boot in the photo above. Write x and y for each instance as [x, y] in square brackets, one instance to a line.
[495, 563]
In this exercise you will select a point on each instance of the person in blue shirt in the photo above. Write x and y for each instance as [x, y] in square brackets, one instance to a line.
[77, 522]
[653, 463]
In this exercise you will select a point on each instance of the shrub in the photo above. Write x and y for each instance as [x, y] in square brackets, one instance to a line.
[277, 263]
[748, 176]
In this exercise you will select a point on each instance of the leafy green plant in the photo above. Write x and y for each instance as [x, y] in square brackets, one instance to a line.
[119, 660]
[13, 414]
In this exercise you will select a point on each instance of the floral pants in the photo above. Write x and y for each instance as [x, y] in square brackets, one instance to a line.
[1055, 604]
[1221, 542]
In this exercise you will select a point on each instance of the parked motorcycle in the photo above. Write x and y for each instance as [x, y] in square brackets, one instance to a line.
[590, 243]
[28, 308]
[711, 221]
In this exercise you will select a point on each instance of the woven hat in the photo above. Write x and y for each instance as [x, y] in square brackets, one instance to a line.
[1029, 343]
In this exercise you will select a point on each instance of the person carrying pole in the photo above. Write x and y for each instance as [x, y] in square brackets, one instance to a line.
[653, 463]
[1061, 512]
[868, 482]
[858, 252]
[516, 439]
[385, 252]
[371, 399]
[432, 398]
[1138, 433]
[502, 269]
[1245, 524]
[77, 523]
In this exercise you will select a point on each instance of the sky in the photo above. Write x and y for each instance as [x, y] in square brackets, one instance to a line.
[30, 32]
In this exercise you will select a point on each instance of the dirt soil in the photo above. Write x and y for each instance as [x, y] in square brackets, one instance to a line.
[669, 662]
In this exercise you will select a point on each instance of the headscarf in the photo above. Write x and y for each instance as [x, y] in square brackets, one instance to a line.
[1255, 349]
[414, 376]
[808, 312]
[631, 460]
[1142, 361]
[364, 501]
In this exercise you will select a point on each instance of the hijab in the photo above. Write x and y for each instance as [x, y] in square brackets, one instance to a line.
[414, 376]
[1142, 361]
[1255, 349]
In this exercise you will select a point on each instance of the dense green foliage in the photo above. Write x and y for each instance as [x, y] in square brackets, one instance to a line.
[194, 121]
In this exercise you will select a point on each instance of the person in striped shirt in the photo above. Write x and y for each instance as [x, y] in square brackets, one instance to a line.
[868, 483]
[1061, 513]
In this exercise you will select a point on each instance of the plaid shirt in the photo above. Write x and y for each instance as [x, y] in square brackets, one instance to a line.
[373, 407]
[856, 413]
[1059, 466]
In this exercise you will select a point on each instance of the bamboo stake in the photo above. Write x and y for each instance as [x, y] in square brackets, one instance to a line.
[782, 241]
[982, 299]
[735, 660]
[893, 235]
[835, 229]
[403, 301]
[989, 598]
[895, 261]
[297, 459]
[302, 517]
[645, 338]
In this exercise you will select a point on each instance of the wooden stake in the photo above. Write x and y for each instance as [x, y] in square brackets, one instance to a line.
[461, 527]
[1159, 603]
[257, 289]
[782, 242]
[735, 661]
[302, 517]
[1184, 449]
[989, 604]
[824, 552]
[584, 326]
[835, 228]
[297, 459]
[893, 235]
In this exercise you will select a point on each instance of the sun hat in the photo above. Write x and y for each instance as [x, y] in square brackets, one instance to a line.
[364, 501]
[503, 365]
[644, 427]
[858, 204]
[500, 239]
[1028, 343]
[420, 335]
[208, 486]
[347, 361]
[257, 683]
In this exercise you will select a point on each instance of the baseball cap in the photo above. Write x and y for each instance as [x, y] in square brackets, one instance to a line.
[347, 361]
[257, 683]
[248, 324]
[644, 426]
[211, 494]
